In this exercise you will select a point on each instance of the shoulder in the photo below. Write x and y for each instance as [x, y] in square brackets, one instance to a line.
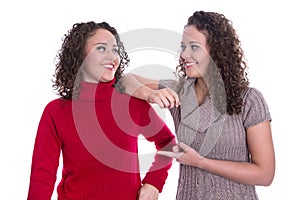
[139, 104]
[138, 110]
[255, 108]
[250, 92]
[170, 83]
[57, 105]
[254, 96]
[122, 100]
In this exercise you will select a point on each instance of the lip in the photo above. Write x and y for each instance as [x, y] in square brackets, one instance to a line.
[109, 66]
[188, 65]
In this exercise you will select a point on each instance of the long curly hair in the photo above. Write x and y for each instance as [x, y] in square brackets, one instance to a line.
[71, 56]
[225, 52]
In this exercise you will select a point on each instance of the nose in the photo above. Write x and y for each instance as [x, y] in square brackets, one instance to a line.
[185, 53]
[111, 56]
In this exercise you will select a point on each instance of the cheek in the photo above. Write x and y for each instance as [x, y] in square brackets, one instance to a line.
[92, 58]
[203, 60]
[117, 62]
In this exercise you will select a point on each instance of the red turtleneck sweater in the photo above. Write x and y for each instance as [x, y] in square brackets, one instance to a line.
[98, 137]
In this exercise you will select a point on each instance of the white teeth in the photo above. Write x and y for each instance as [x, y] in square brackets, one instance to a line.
[189, 64]
[108, 66]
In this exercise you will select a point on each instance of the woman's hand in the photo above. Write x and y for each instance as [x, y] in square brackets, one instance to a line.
[184, 154]
[165, 98]
[148, 192]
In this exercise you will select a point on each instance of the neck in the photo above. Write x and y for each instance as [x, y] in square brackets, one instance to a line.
[201, 86]
[201, 90]
[96, 91]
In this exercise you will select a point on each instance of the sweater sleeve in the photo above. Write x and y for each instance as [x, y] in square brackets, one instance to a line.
[45, 159]
[158, 132]
[173, 84]
[255, 108]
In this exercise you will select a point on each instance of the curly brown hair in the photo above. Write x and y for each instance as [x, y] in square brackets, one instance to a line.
[225, 52]
[71, 55]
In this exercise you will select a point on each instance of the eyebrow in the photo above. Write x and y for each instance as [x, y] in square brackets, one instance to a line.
[104, 43]
[192, 42]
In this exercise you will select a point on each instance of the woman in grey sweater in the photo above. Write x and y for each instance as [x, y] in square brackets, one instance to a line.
[223, 127]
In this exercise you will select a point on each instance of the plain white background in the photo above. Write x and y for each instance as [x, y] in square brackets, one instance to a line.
[31, 33]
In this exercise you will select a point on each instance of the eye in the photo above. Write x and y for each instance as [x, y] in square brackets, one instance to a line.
[182, 47]
[195, 47]
[115, 50]
[100, 48]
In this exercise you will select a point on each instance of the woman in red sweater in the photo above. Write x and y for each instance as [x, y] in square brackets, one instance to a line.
[95, 127]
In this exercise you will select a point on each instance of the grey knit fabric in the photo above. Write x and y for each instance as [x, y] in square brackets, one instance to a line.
[195, 183]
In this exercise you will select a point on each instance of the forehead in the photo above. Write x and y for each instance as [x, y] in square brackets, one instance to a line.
[192, 33]
[101, 36]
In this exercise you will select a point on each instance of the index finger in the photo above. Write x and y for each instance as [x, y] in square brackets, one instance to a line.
[166, 153]
[171, 154]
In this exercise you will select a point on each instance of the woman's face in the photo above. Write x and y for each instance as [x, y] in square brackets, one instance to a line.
[194, 52]
[101, 57]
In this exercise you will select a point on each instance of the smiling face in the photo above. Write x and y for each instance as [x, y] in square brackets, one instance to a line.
[194, 52]
[101, 57]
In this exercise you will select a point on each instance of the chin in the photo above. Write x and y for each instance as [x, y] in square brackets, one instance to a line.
[106, 79]
[192, 75]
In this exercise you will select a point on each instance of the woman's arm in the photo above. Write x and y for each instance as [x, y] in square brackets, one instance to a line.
[147, 89]
[139, 86]
[261, 169]
[156, 131]
[45, 159]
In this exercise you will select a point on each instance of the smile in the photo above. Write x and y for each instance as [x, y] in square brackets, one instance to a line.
[189, 65]
[108, 66]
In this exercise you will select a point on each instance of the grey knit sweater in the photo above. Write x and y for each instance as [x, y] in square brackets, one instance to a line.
[195, 183]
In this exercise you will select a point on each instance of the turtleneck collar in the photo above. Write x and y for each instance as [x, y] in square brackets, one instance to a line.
[96, 91]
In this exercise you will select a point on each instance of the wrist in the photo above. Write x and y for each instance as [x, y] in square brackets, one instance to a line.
[150, 187]
[201, 162]
[146, 94]
[148, 191]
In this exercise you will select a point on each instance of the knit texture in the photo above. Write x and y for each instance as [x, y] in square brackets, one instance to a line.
[195, 183]
[98, 137]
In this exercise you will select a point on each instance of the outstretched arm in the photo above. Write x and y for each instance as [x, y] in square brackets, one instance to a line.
[147, 89]
[260, 171]
[139, 86]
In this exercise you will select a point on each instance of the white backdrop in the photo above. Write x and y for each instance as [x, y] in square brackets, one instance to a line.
[31, 33]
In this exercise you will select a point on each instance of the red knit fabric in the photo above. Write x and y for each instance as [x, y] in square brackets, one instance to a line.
[98, 137]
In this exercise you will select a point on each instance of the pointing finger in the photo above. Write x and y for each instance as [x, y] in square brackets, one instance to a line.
[166, 153]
